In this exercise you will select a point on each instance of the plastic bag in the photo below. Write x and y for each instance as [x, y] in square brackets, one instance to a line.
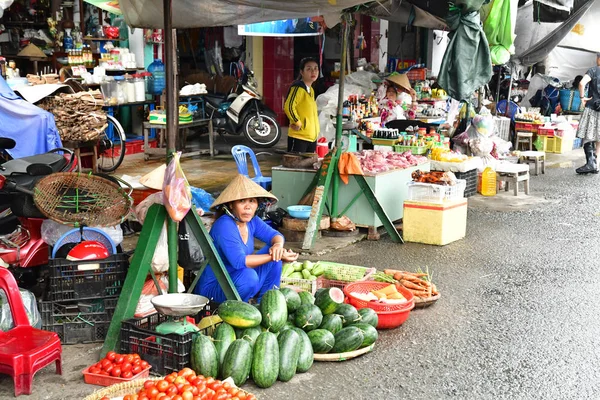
[160, 260]
[201, 198]
[52, 231]
[6, 319]
[176, 190]
[190, 253]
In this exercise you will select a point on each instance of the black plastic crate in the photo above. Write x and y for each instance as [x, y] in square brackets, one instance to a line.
[78, 321]
[166, 353]
[69, 282]
[471, 178]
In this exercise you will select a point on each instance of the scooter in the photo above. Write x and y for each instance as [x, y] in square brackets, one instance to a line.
[21, 245]
[243, 112]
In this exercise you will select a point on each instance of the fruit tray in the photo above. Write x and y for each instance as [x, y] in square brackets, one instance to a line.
[103, 380]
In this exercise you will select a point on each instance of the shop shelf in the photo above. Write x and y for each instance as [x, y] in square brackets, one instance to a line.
[69, 281]
[78, 321]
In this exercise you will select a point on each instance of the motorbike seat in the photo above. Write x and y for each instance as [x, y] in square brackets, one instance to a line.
[17, 169]
[215, 100]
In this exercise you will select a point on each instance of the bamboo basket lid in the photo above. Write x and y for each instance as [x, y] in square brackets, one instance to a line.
[343, 356]
[120, 389]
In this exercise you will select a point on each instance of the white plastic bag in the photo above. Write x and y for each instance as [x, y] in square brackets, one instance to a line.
[6, 319]
[160, 260]
[149, 291]
[52, 231]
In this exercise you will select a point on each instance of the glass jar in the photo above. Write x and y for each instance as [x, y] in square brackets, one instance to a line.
[120, 90]
[108, 88]
[129, 89]
[148, 82]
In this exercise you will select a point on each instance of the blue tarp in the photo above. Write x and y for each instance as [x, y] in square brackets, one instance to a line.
[32, 128]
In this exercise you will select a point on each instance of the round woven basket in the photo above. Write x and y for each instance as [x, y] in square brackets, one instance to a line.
[120, 389]
[343, 356]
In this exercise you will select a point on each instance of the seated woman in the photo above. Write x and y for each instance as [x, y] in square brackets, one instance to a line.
[397, 99]
[233, 234]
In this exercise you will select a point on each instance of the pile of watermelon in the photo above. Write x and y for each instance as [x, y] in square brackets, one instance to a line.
[278, 338]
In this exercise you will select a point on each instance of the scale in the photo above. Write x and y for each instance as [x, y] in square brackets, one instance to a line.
[178, 306]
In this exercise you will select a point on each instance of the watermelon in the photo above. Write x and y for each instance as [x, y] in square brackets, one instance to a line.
[289, 354]
[332, 322]
[306, 358]
[319, 291]
[265, 360]
[239, 332]
[288, 325]
[369, 316]
[273, 308]
[329, 299]
[348, 339]
[308, 317]
[238, 361]
[239, 314]
[223, 337]
[251, 334]
[204, 357]
[369, 332]
[306, 298]
[292, 299]
[348, 313]
[322, 340]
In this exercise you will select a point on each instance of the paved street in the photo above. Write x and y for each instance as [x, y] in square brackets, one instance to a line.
[518, 317]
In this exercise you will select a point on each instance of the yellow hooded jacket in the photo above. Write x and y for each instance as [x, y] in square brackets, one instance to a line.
[300, 105]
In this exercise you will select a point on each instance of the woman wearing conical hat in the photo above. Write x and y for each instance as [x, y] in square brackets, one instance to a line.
[233, 233]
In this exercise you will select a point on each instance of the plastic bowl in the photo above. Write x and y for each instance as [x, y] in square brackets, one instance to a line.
[392, 319]
[300, 212]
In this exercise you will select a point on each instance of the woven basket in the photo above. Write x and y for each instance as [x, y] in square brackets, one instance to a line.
[120, 389]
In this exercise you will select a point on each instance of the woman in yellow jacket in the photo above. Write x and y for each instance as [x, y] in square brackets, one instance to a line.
[301, 108]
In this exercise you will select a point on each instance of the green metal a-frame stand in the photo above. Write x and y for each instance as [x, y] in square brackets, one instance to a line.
[140, 268]
[328, 177]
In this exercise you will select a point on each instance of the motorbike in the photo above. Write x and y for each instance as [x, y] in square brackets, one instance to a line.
[21, 245]
[243, 112]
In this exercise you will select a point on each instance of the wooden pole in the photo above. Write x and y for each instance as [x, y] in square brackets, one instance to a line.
[172, 107]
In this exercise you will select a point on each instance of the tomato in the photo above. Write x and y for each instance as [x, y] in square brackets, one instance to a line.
[185, 372]
[119, 359]
[116, 372]
[152, 392]
[250, 397]
[111, 355]
[197, 381]
[179, 386]
[241, 395]
[136, 369]
[94, 370]
[126, 374]
[109, 368]
[105, 363]
[126, 366]
[168, 378]
[105, 398]
[149, 384]
[177, 397]
[127, 397]
[129, 358]
[160, 396]
[221, 396]
[187, 395]
[136, 356]
[216, 385]
[162, 385]
[145, 365]
[172, 390]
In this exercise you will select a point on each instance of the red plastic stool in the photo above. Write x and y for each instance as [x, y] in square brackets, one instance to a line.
[24, 350]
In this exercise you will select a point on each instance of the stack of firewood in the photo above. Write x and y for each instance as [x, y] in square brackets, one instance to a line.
[79, 116]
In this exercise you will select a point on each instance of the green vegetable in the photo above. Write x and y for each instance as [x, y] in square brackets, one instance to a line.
[307, 265]
[307, 275]
[297, 266]
[296, 275]
[318, 269]
[287, 270]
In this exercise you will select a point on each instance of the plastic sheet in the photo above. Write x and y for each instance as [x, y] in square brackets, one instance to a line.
[52, 231]
[201, 198]
[176, 190]
[6, 319]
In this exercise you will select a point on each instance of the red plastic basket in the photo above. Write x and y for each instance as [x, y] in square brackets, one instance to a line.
[393, 319]
[367, 287]
[103, 380]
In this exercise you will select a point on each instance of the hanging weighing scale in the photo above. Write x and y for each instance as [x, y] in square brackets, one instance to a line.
[178, 306]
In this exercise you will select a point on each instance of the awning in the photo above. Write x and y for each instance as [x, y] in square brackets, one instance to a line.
[111, 6]
[204, 13]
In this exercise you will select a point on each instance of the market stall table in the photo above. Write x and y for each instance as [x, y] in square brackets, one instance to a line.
[90, 148]
[182, 135]
[513, 173]
[390, 188]
[536, 157]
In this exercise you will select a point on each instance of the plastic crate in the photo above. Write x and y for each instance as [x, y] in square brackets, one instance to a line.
[416, 150]
[103, 380]
[78, 321]
[384, 142]
[341, 275]
[562, 144]
[139, 195]
[68, 282]
[527, 127]
[502, 125]
[471, 181]
[165, 353]
[432, 193]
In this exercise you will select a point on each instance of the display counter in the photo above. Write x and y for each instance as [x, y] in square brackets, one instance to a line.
[389, 187]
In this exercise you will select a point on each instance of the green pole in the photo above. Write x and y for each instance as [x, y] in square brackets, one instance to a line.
[338, 119]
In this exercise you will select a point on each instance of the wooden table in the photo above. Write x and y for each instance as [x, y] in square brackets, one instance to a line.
[181, 139]
[90, 149]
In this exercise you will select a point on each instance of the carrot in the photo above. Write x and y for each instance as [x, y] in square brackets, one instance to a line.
[434, 290]
[410, 285]
[398, 276]
[419, 293]
[391, 271]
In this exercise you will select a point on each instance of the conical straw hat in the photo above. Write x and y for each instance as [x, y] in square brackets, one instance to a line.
[31, 50]
[400, 80]
[241, 187]
[154, 179]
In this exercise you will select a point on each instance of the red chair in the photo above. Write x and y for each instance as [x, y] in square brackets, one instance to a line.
[24, 350]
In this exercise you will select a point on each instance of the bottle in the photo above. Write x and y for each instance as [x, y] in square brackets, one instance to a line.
[157, 69]
[488, 182]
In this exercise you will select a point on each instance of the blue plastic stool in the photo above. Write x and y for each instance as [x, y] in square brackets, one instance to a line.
[513, 110]
[240, 152]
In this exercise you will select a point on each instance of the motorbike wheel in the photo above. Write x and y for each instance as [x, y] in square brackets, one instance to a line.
[266, 134]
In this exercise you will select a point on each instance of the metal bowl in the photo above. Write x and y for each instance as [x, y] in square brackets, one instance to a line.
[179, 304]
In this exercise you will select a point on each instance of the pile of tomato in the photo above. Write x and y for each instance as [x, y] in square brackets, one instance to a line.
[186, 385]
[117, 365]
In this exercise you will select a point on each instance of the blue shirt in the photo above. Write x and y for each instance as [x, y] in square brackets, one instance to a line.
[229, 244]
